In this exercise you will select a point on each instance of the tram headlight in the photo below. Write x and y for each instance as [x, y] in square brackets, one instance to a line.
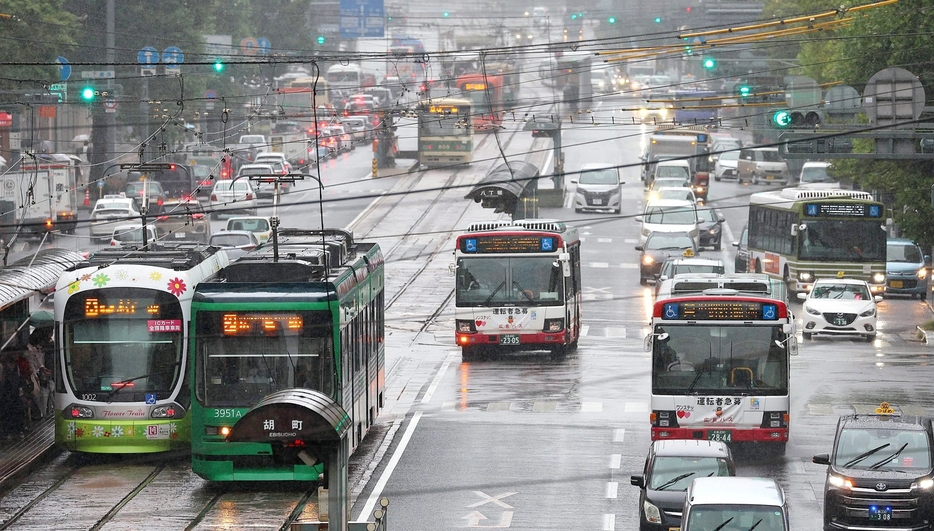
[878, 278]
[75, 411]
[652, 514]
[167, 411]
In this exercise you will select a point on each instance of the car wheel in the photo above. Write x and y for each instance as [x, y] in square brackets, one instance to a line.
[806, 335]
[716, 179]
[755, 179]
[924, 296]
[719, 245]
[577, 210]
[643, 281]
[870, 338]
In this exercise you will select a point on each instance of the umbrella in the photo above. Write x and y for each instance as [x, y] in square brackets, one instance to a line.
[81, 138]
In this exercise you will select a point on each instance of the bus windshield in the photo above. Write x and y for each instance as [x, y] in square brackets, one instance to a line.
[121, 345]
[512, 281]
[243, 356]
[834, 240]
[719, 360]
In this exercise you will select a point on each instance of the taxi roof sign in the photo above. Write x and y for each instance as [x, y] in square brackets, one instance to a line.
[688, 253]
[885, 409]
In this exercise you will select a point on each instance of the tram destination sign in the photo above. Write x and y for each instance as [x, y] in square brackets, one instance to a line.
[509, 244]
[720, 311]
[843, 210]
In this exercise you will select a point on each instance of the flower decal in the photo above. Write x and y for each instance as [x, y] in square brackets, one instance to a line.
[121, 275]
[117, 431]
[155, 275]
[85, 277]
[101, 280]
[177, 286]
[74, 287]
[97, 431]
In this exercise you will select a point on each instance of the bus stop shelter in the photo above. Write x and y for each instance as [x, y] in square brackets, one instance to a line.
[511, 187]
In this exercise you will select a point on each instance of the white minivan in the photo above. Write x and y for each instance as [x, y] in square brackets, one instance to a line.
[598, 188]
[669, 215]
[730, 503]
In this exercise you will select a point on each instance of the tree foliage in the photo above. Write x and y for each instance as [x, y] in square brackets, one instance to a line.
[37, 32]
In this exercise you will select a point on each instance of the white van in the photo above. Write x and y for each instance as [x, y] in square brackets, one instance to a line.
[669, 215]
[598, 188]
[729, 503]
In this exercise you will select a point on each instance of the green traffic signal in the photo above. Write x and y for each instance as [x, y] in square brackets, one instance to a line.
[744, 90]
[710, 63]
[446, 14]
[658, 20]
[87, 93]
[782, 118]
[218, 66]
[320, 39]
[611, 20]
[573, 16]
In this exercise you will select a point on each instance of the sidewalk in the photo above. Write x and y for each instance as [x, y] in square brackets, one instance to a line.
[20, 457]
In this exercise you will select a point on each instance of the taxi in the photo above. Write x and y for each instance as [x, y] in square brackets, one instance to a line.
[879, 475]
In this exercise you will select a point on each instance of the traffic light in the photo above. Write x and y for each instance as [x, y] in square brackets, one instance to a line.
[88, 93]
[784, 118]
[446, 14]
[658, 20]
[320, 39]
[709, 63]
[218, 66]
[781, 119]
[611, 20]
[743, 90]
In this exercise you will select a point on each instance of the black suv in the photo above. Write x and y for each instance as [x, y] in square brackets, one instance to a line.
[879, 474]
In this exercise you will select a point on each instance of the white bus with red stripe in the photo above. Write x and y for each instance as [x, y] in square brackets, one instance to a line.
[518, 287]
[721, 349]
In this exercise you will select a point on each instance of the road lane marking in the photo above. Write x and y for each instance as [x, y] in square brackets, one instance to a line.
[609, 522]
[619, 434]
[611, 489]
[393, 461]
[437, 379]
[616, 460]
[498, 499]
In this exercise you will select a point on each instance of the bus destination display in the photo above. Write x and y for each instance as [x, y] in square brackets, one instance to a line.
[509, 244]
[443, 109]
[720, 311]
[843, 210]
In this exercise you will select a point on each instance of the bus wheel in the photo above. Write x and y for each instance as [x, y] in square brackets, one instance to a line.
[559, 352]
[786, 277]
[468, 353]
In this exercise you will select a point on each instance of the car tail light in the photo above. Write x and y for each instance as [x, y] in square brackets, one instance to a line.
[162, 218]
[159, 202]
[213, 197]
[197, 216]
[113, 243]
[248, 197]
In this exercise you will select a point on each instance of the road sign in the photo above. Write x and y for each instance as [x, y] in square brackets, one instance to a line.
[64, 68]
[362, 18]
[249, 45]
[210, 96]
[61, 89]
[173, 56]
[110, 106]
[263, 45]
[97, 74]
[147, 56]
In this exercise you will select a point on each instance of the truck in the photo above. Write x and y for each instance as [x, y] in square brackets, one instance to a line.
[39, 197]
[687, 143]
[291, 140]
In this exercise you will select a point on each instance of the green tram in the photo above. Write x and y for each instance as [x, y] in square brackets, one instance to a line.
[272, 335]
[445, 132]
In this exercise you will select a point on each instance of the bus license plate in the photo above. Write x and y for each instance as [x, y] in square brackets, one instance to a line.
[896, 284]
[880, 514]
[720, 435]
[510, 339]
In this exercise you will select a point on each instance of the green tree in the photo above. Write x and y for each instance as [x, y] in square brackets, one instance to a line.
[35, 32]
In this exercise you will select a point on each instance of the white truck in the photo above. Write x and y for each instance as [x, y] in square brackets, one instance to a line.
[292, 141]
[39, 197]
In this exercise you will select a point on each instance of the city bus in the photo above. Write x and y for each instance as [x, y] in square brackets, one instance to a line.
[517, 287]
[573, 72]
[720, 360]
[345, 77]
[485, 93]
[445, 132]
[121, 320]
[305, 329]
[799, 235]
[696, 107]
[321, 95]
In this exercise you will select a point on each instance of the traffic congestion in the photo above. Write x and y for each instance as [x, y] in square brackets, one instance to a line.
[464, 273]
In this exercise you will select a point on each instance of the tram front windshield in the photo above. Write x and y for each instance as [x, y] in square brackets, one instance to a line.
[697, 359]
[123, 345]
[242, 356]
[484, 281]
[445, 124]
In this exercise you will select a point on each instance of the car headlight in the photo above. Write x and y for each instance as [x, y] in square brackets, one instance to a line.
[652, 514]
[923, 484]
[839, 481]
[805, 276]
[646, 232]
[878, 278]
[812, 311]
[922, 273]
[648, 260]
[868, 313]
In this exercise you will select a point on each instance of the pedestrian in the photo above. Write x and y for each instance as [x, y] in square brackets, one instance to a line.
[28, 363]
[42, 356]
[13, 411]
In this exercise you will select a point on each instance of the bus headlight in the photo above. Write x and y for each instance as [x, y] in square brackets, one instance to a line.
[805, 276]
[652, 514]
[168, 411]
[554, 325]
[878, 278]
[465, 326]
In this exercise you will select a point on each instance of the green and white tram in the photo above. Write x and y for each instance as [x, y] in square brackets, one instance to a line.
[121, 320]
[301, 335]
[445, 132]
[799, 235]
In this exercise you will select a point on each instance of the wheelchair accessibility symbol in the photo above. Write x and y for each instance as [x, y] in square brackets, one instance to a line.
[768, 312]
[150, 398]
[671, 311]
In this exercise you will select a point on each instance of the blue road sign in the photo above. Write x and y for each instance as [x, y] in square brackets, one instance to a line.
[173, 56]
[362, 18]
[64, 68]
[210, 94]
[263, 45]
[147, 56]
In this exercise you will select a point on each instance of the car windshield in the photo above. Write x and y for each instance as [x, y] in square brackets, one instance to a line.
[745, 517]
[769, 155]
[675, 473]
[668, 192]
[815, 174]
[707, 214]
[252, 225]
[903, 252]
[680, 269]
[602, 176]
[660, 240]
[669, 183]
[670, 215]
[230, 240]
[840, 291]
[729, 155]
[126, 234]
[853, 443]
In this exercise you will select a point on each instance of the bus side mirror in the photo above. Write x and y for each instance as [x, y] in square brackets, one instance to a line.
[565, 259]
[452, 269]
[794, 230]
